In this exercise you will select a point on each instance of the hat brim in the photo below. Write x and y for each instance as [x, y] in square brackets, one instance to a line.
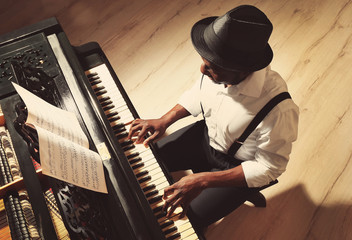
[197, 36]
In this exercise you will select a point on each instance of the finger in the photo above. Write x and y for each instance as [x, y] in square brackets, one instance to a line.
[171, 210]
[133, 130]
[185, 209]
[167, 191]
[150, 139]
[130, 134]
[167, 204]
[143, 132]
[173, 207]
[134, 135]
[136, 121]
[170, 201]
[139, 132]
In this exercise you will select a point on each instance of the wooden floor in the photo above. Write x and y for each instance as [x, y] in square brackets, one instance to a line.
[148, 44]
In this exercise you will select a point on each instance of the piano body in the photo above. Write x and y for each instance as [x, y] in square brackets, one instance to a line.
[81, 80]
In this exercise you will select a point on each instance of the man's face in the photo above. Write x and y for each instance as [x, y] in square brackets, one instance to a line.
[221, 76]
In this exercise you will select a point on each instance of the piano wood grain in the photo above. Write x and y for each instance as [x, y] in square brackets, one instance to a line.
[148, 44]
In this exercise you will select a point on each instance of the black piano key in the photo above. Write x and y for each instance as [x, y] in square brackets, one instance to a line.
[161, 214]
[114, 118]
[139, 165]
[177, 235]
[99, 88]
[152, 193]
[141, 174]
[128, 148]
[148, 188]
[118, 126]
[135, 160]
[103, 99]
[107, 102]
[170, 230]
[155, 199]
[157, 209]
[99, 93]
[121, 136]
[94, 78]
[108, 107]
[120, 130]
[132, 155]
[142, 180]
[166, 224]
[126, 143]
[95, 82]
[91, 75]
[112, 114]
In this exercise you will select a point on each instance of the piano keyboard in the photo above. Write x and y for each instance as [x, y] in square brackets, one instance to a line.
[146, 168]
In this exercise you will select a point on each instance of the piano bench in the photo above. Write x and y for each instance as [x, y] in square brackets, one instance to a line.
[257, 198]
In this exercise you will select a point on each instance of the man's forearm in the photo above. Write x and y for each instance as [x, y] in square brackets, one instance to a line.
[176, 113]
[233, 177]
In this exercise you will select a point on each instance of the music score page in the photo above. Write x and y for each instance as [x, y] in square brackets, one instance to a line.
[63, 147]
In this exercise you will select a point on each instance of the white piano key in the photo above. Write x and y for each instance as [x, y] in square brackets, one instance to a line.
[150, 168]
[189, 235]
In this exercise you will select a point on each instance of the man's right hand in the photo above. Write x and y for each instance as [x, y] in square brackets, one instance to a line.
[155, 127]
[140, 128]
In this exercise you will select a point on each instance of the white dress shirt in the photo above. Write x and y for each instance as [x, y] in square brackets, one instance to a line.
[229, 110]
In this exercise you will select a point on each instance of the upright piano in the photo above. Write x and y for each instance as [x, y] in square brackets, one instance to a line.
[81, 80]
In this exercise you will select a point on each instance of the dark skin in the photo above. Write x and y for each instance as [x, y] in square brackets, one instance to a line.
[222, 76]
[189, 187]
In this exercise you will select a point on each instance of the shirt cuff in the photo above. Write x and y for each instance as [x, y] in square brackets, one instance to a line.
[256, 174]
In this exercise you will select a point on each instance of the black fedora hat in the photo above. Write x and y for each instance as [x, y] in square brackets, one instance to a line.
[236, 41]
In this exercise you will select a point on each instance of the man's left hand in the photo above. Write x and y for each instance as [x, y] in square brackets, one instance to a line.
[182, 193]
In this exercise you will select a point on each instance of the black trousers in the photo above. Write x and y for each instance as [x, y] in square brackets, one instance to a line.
[189, 148]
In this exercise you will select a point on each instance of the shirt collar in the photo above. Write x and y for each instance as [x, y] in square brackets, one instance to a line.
[253, 85]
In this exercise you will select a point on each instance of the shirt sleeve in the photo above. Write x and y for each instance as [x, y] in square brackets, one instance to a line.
[274, 144]
[190, 99]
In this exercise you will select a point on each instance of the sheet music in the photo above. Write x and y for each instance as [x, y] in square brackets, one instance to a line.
[63, 147]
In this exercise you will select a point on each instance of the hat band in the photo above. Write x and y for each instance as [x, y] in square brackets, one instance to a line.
[228, 53]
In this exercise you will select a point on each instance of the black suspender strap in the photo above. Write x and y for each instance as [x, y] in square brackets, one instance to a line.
[200, 87]
[256, 120]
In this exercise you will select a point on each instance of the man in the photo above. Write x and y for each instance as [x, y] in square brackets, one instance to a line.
[237, 82]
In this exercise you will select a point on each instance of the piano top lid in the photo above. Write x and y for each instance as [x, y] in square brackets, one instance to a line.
[48, 26]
